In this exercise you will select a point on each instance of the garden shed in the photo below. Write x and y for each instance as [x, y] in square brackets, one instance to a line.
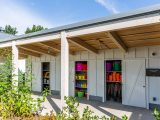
[112, 58]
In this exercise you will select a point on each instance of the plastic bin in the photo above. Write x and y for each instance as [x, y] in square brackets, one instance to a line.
[76, 94]
[80, 94]
[78, 67]
[117, 66]
[108, 66]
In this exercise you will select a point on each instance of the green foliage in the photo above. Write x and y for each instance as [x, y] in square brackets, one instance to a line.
[89, 115]
[34, 29]
[70, 112]
[156, 114]
[10, 30]
[17, 101]
[124, 117]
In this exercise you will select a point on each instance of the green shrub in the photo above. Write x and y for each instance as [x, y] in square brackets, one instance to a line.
[15, 100]
[70, 112]
[156, 114]
[17, 103]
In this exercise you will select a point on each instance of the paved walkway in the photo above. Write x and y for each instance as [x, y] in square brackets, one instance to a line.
[53, 103]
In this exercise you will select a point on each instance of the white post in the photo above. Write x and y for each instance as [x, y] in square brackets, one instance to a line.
[15, 63]
[64, 67]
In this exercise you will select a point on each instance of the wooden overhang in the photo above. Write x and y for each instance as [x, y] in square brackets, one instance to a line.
[123, 39]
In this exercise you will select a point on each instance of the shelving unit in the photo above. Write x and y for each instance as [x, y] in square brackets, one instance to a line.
[45, 75]
[113, 80]
[81, 79]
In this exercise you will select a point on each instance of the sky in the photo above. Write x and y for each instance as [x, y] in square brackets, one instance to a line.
[52, 13]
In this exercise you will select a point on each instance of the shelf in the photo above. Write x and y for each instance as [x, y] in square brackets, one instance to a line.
[113, 81]
[80, 87]
[82, 71]
[45, 83]
[113, 71]
[81, 76]
[45, 75]
[45, 70]
[81, 80]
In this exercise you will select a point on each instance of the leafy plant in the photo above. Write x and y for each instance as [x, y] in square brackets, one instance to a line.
[124, 117]
[156, 114]
[17, 101]
[70, 112]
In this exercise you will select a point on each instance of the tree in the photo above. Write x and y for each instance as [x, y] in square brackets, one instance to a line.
[34, 29]
[10, 30]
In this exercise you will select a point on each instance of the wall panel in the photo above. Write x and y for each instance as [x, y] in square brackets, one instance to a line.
[52, 75]
[100, 78]
[92, 76]
[36, 71]
[109, 54]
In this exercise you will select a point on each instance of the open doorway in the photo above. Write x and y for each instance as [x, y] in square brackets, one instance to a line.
[113, 80]
[45, 76]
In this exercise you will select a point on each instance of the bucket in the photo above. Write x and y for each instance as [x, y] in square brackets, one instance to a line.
[76, 94]
[80, 94]
[84, 67]
[78, 67]
[108, 66]
[117, 66]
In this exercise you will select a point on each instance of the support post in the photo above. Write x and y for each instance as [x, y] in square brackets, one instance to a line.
[15, 63]
[64, 67]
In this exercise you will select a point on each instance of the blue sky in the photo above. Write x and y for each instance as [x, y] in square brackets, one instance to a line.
[51, 13]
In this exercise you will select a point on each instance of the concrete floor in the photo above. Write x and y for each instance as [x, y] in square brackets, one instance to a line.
[53, 103]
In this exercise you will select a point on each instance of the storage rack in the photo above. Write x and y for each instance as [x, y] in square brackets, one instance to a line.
[45, 75]
[81, 78]
[113, 80]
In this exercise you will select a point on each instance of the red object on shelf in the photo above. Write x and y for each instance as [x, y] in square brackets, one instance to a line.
[110, 77]
[84, 67]
[114, 76]
[120, 78]
[117, 77]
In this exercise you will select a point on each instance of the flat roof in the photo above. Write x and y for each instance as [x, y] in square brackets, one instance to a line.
[122, 16]
[5, 35]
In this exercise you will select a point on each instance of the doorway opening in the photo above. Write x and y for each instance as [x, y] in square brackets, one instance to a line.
[81, 79]
[113, 80]
[45, 76]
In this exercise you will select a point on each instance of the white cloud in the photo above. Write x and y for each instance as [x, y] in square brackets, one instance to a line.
[19, 16]
[109, 5]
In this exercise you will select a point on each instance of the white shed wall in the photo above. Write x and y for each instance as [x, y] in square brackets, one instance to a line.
[96, 69]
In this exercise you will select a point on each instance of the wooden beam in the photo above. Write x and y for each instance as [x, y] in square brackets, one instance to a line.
[82, 44]
[54, 47]
[27, 52]
[22, 56]
[117, 40]
[38, 49]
